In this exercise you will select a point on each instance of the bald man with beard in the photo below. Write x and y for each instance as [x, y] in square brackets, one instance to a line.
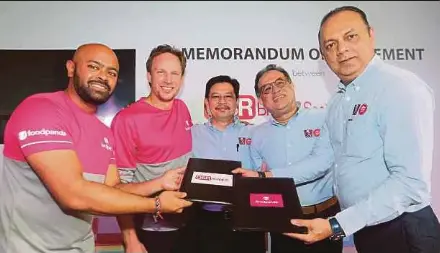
[59, 168]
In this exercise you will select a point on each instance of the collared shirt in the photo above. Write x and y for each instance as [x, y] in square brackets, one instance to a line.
[230, 144]
[300, 150]
[381, 129]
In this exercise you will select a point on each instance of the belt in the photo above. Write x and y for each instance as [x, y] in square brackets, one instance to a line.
[313, 209]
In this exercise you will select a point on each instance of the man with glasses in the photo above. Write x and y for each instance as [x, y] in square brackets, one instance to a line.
[294, 143]
[222, 137]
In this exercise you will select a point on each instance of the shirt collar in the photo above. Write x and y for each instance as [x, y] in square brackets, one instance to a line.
[234, 123]
[363, 77]
[298, 111]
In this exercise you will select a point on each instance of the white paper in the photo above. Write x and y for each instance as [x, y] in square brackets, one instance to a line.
[212, 179]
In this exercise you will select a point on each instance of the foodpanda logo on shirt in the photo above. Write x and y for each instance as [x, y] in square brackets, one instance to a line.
[188, 125]
[23, 135]
[105, 144]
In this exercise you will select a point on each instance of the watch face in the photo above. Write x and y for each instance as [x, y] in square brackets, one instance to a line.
[336, 237]
[338, 233]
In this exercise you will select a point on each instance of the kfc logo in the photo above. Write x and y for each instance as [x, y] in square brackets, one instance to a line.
[360, 109]
[203, 177]
[309, 133]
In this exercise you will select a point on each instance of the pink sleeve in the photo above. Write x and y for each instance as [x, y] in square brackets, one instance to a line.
[125, 147]
[39, 125]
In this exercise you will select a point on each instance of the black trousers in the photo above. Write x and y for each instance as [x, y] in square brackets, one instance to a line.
[159, 241]
[417, 232]
[284, 244]
[210, 232]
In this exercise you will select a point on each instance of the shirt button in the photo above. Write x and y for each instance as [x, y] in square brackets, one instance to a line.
[348, 98]
[288, 127]
[290, 163]
[224, 149]
[288, 145]
[357, 88]
[336, 165]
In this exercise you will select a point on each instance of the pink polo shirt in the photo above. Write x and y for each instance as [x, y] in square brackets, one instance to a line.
[30, 218]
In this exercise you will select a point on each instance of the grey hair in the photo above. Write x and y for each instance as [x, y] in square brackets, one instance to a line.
[266, 69]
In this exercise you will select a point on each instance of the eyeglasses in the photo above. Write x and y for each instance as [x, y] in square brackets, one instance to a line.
[217, 98]
[269, 88]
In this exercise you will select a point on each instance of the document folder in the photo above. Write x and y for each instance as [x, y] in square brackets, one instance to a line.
[209, 180]
[266, 204]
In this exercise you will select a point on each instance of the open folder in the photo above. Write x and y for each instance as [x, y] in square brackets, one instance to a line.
[256, 204]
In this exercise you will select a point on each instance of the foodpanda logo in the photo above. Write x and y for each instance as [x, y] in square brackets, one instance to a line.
[105, 144]
[23, 135]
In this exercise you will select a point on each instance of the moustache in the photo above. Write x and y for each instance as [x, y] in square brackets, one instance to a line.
[103, 83]
[224, 107]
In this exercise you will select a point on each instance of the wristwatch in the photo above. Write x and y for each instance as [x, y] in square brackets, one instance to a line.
[261, 174]
[338, 232]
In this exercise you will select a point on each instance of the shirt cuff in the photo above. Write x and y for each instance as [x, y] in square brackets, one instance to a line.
[279, 173]
[351, 220]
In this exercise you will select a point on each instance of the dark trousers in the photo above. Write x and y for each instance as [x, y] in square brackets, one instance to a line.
[210, 232]
[283, 244]
[155, 241]
[417, 232]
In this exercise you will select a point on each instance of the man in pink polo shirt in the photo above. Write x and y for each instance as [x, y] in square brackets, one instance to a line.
[59, 168]
[153, 136]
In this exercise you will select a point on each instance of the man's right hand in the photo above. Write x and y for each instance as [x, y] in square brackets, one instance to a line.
[173, 202]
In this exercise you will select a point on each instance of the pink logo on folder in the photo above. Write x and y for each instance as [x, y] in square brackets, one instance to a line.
[266, 200]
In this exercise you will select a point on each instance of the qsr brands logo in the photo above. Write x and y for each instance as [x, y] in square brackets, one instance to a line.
[23, 135]
[249, 107]
[266, 200]
[212, 178]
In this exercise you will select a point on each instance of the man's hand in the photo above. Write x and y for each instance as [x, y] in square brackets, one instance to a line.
[171, 179]
[245, 172]
[318, 229]
[135, 247]
[173, 202]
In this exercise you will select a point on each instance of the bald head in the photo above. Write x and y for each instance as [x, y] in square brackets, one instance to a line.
[93, 72]
[95, 50]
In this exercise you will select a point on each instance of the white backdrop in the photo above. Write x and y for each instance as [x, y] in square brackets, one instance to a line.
[407, 34]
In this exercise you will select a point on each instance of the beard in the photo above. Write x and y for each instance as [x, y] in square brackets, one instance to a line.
[87, 94]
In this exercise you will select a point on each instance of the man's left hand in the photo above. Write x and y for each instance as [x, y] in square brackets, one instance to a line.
[318, 229]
